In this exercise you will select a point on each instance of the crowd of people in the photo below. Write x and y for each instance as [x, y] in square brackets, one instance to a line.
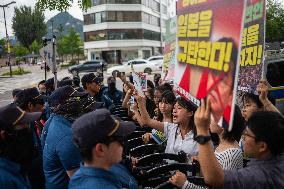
[69, 137]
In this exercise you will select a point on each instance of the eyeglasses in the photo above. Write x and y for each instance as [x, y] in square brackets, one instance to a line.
[245, 134]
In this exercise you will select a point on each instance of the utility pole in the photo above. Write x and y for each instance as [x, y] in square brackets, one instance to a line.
[53, 56]
[7, 37]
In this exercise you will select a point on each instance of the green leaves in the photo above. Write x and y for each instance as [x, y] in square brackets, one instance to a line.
[274, 21]
[70, 44]
[28, 25]
[62, 5]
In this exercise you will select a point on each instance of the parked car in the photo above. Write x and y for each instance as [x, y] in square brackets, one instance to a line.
[139, 65]
[88, 66]
[157, 59]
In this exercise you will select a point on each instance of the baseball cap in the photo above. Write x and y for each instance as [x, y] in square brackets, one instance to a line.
[61, 94]
[97, 126]
[11, 115]
[29, 95]
[91, 77]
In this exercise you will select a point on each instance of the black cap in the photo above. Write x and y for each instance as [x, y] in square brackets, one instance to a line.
[89, 78]
[15, 92]
[62, 94]
[29, 95]
[11, 115]
[97, 126]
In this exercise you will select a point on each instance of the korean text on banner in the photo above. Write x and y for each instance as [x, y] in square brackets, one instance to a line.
[209, 37]
[253, 42]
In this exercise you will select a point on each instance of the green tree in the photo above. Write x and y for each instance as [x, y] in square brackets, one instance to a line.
[28, 25]
[274, 21]
[70, 44]
[34, 47]
[62, 5]
[2, 47]
[19, 51]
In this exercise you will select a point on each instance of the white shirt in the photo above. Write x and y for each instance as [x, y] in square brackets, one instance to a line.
[175, 143]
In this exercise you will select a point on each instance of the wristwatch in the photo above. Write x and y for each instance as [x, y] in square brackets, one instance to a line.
[200, 139]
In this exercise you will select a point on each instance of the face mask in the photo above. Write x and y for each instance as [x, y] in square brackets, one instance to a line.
[18, 146]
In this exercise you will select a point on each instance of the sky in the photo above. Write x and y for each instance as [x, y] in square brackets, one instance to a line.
[74, 11]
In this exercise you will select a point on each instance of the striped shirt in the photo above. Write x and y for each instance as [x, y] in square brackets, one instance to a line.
[230, 159]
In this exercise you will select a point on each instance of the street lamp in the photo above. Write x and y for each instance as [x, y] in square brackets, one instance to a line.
[7, 37]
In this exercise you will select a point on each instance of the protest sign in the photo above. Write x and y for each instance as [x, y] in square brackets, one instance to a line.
[253, 43]
[170, 50]
[140, 82]
[209, 37]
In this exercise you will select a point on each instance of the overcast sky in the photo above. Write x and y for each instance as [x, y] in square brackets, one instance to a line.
[74, 11]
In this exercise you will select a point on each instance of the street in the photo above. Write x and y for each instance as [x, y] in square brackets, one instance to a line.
[7, 84]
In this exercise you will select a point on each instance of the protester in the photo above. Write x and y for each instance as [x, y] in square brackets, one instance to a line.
[166, 106]
[16, 146]
[262, 102]
[228, 152]
[60, 157]
[99, 138]
[263, 141]
[180, 133]
[112, 92]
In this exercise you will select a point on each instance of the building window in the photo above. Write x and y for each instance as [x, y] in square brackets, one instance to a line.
[111, 16]
[150, 19]
[164, 9]
[100, 2]
[155, 6]
[121, 34]
[98, 17]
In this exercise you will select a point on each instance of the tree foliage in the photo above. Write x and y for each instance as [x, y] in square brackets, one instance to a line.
[19, 50]
[28, 25]
[70, 44]
[274, 21]
[62, 5]
[34, 47]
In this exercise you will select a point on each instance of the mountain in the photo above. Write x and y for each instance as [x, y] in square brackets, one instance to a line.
[62, 22]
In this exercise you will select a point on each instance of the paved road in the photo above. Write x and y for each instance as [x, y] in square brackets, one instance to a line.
[7, 84]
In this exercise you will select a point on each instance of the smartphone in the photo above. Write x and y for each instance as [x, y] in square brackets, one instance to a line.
[131, 101]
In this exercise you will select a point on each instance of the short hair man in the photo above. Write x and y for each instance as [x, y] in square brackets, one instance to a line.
[16, 146]
[263, 141]
[91, 84]
[60, 157]
[99, 137]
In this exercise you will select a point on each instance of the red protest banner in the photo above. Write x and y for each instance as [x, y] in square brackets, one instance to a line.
[209, 37]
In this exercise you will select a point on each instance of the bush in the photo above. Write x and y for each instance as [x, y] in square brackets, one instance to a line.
[18, 71]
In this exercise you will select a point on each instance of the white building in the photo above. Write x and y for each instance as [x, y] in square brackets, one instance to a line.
[120, 30]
